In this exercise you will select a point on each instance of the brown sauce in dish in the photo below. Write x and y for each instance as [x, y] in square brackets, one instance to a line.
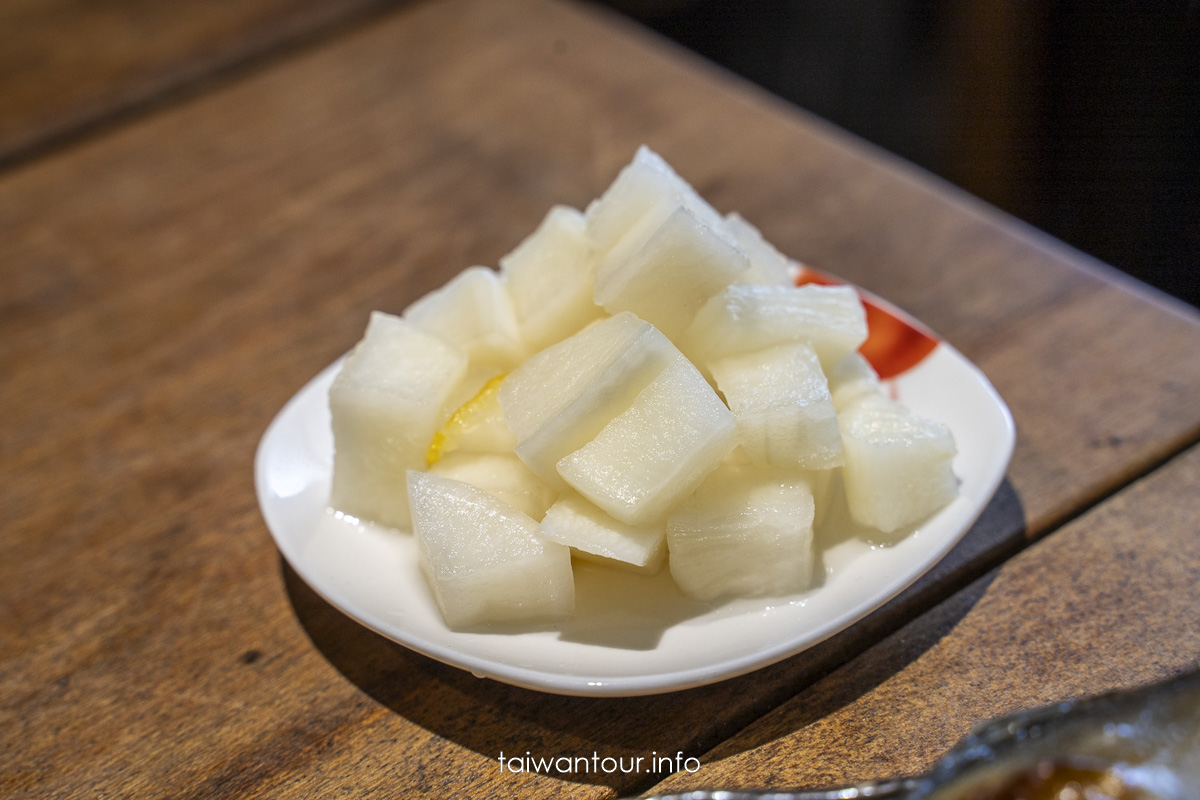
[1056, 780]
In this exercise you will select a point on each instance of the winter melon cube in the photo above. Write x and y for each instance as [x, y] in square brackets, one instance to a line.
[550, 277]
[596, 536]
[821, 481]
[503, 476]
[484, 559]
[768, 266]
[473, 312]
[655, 452]
[747, 317]
[746, 532]
[670, 274]
[897, 468]
[784, 412]
[644, 194]
[851, 378]
[385, 404]
[559, 399]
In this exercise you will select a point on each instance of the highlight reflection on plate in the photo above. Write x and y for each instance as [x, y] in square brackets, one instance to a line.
[631, 634]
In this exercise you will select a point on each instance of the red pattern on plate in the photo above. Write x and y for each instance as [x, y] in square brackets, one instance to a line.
[895, 342]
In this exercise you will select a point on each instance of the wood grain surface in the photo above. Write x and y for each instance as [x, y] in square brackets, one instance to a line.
[67, 65]
[1107, 602]
[169, 284]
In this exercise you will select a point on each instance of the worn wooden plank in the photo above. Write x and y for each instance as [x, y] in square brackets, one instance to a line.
[66, 66]
[1107, 602]
[168, 285]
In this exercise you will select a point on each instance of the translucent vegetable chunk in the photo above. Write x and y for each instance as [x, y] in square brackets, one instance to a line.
[746, 532]
[558, 400]
[851, 378]
[657, 451]
[644, 194]
[746, 317]
[897, 468]
[768, 266]
[670, 273]
[784, 411]
[550, 278]
[385, 404]
[597, 536]
[474, 313]
[503, 476]
[485, 560]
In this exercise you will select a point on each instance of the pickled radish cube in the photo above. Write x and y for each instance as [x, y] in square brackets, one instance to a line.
[596, 536]
[549, 277]
[767, 265]
[785, 415]
[644, 194]
[485, 560]
[746, 532]
[897, 469]
[474, 313]
[385, 404]
[821, 481]
[746, 317]
[558, 400]
[851, 378]
[501, 475]
[657, 451]
[671, 273]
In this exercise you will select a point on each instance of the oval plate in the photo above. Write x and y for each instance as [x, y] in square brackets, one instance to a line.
[630, 635]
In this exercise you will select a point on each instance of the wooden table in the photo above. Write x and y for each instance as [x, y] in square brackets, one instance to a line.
[197, 217]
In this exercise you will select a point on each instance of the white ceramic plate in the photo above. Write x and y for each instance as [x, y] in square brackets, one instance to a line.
[630, 635]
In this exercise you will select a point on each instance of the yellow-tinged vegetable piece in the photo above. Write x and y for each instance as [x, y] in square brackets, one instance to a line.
[477, 426]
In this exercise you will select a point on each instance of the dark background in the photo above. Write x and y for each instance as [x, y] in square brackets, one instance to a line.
[1081, 118]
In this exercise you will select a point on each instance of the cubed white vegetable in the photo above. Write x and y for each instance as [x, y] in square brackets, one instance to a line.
[767, 265]
[597, 536]
[897, 468]
[558, 400]
[474, 313]
[644, 194]
[549, 277]
[746, 317]
[386, 403]
[503, 476]
[670, 273]
[784, 412]
[747, 531]
[657, 451]
[484, 559]
[851, 378]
